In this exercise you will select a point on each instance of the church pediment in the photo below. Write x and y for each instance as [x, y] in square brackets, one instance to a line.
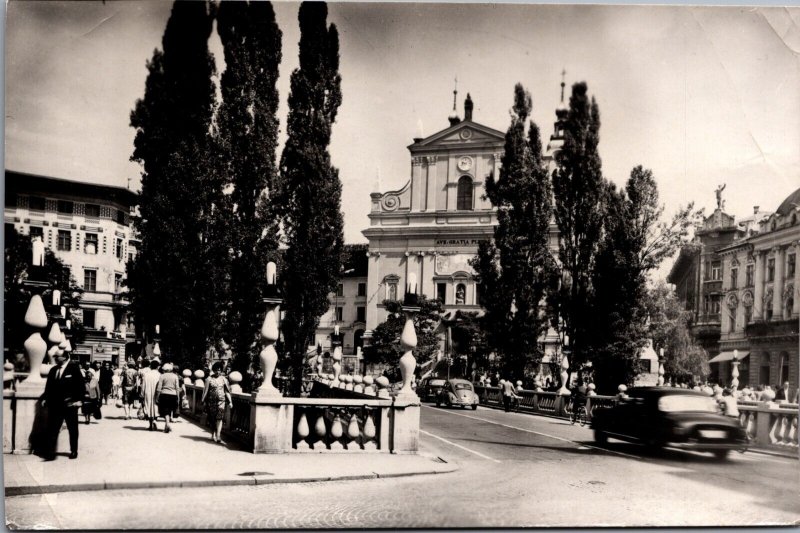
[463, 134]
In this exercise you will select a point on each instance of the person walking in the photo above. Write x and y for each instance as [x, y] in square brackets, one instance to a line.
[149, 383]
[91, 397]
[105, 381]
[167, 394]
[216, 395]
[128, 383]
[63, 394]
[116, 381]
[507, 387]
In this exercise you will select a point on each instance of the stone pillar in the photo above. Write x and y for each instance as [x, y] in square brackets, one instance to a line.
[796, 294]
[777, 285]
[373, 284]
[417, 183]
[430, 193]
[758, 293]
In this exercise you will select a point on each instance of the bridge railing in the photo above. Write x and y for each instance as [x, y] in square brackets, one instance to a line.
[769, 425]
[332, 419]
[542, 402]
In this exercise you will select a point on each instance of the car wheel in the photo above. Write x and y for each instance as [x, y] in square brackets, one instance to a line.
[438, 402]
[721, 455]
[475, 407]
[600, 437]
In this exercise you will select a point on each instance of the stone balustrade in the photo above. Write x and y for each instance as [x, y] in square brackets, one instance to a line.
[333, 419]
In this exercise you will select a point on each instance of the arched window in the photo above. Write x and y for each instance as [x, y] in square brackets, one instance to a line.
[461, 294]
[464, 199]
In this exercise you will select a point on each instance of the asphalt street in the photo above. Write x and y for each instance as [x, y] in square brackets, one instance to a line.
[515, 470]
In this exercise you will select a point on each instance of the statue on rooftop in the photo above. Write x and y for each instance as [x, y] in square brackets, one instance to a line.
[720, 201]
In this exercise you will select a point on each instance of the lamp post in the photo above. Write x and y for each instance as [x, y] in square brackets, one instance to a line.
[156, 340]
[408, 339]
[35, 317]
[735, 373]
[336, 343]
[661, 367]
[268, 357]
[565, 352]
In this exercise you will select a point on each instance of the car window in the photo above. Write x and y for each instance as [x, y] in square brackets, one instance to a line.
[462, 386]
[680, 403]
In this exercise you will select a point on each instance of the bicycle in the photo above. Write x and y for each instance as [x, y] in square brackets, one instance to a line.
[578, 415]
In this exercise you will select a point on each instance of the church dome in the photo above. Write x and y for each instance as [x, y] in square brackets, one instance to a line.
[790, 203]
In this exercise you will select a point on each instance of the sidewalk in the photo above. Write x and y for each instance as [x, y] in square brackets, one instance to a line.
[115, 453]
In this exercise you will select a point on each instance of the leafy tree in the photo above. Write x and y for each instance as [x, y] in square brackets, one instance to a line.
[684, 359]
[469, 341]
[634, 243]
[578, 192]
[16, 296]
[179, 276]
[247, 137]
[385, 347]
[515, 267]
[618, 331]
[310, 195]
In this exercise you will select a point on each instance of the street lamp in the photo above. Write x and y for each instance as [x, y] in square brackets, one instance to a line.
[408, 338]
[268, 357]
[661, 367]
[735, 373]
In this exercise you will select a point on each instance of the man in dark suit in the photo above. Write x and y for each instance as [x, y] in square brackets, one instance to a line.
[783, 393]
[63, 394]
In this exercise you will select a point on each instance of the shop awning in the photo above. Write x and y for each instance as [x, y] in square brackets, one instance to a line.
[728, 356]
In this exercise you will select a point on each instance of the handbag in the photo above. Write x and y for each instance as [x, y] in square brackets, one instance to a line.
[140, 413]
[119, 402]
[185, 403]
[97, 413]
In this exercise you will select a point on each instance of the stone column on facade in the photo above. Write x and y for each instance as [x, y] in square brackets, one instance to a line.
[796, 293]
[373, 284]
[430, 192]
[777, 285]
[417, 183]
[758, 293]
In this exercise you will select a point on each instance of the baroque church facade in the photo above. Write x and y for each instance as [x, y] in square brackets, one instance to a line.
[432, 226]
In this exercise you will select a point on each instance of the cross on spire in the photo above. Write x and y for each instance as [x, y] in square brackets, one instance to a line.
[455, 93]
[563, 74]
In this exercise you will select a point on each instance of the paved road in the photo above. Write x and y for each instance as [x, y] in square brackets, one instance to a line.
[516, 470]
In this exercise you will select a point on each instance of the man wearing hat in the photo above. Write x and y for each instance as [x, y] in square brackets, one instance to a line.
[63, 394]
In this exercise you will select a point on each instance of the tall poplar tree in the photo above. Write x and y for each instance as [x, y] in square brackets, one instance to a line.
[578, 192]
[515, 267]
[247, 137]
[175, 281]
[634, 243]
[310, 195]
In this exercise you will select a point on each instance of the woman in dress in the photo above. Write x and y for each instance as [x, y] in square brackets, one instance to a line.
[91, 400]
[167, 391]
[149, 384]
[216, 395]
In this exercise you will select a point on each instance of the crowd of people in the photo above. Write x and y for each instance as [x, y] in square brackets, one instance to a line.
[148, 390]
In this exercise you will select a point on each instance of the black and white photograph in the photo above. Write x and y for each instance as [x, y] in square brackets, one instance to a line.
[367, 265]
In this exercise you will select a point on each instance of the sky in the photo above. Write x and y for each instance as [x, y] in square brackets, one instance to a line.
[700, 95]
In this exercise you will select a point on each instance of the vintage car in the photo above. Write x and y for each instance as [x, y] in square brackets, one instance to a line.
[662, 416]
[457, 392]
[429, 388]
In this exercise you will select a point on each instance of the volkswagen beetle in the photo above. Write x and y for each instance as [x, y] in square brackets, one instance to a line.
[457, 392]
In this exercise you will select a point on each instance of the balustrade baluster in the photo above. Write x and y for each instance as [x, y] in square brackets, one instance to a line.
[321, 431]
[336, 433]
[353, 432]
[302, 432]
[368, 441]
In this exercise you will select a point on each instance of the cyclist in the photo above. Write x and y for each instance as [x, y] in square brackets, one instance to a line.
[508, 393]
[578, 399]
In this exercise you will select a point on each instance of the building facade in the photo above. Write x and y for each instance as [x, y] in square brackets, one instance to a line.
[348, 309]
[761, 308]
[432, 226]
[88, 227]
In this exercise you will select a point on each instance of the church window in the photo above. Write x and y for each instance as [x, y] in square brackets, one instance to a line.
[441, 292]
[464, 198]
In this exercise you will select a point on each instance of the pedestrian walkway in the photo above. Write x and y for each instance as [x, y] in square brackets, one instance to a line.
[115, 453]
